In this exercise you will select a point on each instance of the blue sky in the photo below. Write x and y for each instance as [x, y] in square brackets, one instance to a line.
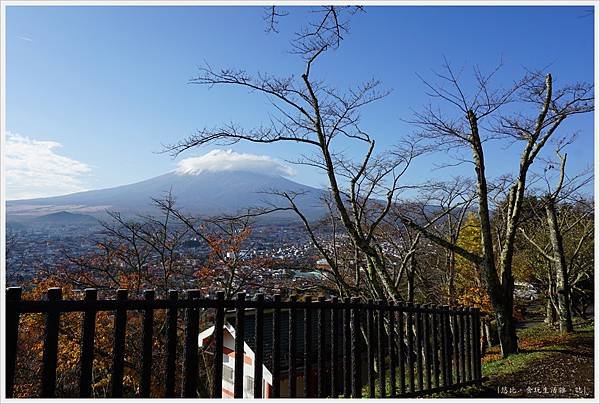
[96, 91]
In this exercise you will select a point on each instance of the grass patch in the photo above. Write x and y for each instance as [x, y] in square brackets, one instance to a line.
[535, 343]
[512, 364]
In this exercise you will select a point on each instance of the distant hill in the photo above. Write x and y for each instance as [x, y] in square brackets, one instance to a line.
[206, 194]
[64, 218]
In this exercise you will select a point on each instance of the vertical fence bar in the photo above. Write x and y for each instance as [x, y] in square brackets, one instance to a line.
[171, 344]
[307, 347]
[292, 349]
[218, 353]
[86, 356]
[190, 350]
[51, 345]
[13, 296]
[401, 349]
[258, 342]
[455, 344]
[120, 330]
[346, 346]
[276, 345]
[354, 336]
[443, 347]
[392, 350]
[477, 328]
[427, 345]
[419, 348]
[448, 345]
[467, 318]
[320, 348]
[435, 334]
[370, 353]
[411, 352]
[148, 325]
[238, 378]
[462, 351]
[333, 348]
[380, 349]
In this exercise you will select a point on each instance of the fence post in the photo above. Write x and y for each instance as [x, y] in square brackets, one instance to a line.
[238, 378]
[148, 325]
[218, 354]
[401, 350]
[333, 364]
[190, 349]
[292, 348]
[307, 346]
[381, 348]
[258, 342]
[171, 344]
[419, 348]
[411, 352]
[87, 346]
[392, 349]
[468, 374]
[13, 296]
[356, 363]
[435, 335]
[427, 345]
[447, 345]
[320, 348]
[276, 345]
[455, 318]
[370, 353]
[477, 327]
[463, 334]
[346, 320]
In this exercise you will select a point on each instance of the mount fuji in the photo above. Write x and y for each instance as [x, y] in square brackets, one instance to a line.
[200, 193]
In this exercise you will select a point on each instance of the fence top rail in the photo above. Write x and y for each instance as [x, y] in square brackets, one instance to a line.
[44, 306]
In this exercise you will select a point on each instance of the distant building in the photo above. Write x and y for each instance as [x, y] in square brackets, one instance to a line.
[206, 339]
[322, 264]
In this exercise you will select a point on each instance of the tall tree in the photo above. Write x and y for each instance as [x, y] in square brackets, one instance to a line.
[542, 109]
[325, 120]
[562, 264]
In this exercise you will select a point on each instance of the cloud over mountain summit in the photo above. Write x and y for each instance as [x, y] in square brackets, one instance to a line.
[227, 160]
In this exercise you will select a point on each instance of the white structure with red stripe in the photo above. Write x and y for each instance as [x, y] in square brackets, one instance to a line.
[205, 339]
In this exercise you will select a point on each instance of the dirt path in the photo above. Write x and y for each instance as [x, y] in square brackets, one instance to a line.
[565, 372]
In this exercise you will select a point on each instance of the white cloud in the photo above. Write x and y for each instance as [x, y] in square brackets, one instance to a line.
[33, 169]
[228, 160]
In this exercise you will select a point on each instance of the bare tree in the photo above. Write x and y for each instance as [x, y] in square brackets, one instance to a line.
[228, 267]
[327, 29]
[144, 249]
[320, 118]
[553, 196]
[443, 206]
[542, 109]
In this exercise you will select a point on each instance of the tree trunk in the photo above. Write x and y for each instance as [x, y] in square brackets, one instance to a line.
[410, 278]
[562, 275]
[550, 312]
[507, 332]
[500, 293]
[451, 275]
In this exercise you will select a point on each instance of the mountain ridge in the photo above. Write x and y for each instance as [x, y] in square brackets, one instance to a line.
[206, 194]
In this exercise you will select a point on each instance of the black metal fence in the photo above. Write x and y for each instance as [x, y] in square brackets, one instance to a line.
[343, 349]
